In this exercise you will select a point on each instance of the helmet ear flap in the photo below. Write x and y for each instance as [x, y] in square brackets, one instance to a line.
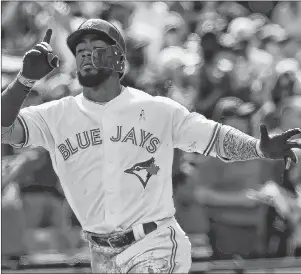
[110, 58]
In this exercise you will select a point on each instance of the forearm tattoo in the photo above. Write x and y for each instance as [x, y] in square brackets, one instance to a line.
[238, 146]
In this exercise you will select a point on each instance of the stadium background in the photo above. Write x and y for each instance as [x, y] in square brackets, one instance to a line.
[234, 62]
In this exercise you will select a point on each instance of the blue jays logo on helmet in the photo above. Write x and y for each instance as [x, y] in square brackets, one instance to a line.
[90, 24]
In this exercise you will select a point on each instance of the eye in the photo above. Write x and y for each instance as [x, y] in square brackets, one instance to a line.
[80, 48]
[137, 168]
[99, 44]
[99, 47]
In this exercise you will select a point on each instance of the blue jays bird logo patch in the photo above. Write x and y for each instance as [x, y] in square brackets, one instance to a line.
[90, 24]
[144, 170]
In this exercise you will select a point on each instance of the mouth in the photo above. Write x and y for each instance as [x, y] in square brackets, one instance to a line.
[87, 63]
[87, 66]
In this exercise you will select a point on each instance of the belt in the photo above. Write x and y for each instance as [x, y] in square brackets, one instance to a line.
[123, 239]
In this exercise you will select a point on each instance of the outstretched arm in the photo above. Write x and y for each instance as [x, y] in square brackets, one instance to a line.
[234, 145]
[192, 132]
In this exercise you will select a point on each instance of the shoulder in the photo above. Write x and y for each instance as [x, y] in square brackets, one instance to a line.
[138, 94]
[142, 96]
[69, 100]
[51, 107]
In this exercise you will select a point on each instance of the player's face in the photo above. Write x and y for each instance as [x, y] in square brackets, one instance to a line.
[88, 75]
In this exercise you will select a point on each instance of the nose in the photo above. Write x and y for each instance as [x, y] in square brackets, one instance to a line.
[86, 53]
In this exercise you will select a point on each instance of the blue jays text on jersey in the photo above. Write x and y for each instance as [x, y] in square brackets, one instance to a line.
[92, 137]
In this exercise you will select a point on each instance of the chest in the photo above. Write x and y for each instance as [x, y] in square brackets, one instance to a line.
[105, 132]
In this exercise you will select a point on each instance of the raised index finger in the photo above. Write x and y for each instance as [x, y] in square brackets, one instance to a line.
[47, 36]
[291, 132]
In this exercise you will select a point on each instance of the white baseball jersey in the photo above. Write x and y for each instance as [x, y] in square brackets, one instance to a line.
[114, 161]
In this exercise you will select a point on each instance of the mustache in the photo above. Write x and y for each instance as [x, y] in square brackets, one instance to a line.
[86, 61]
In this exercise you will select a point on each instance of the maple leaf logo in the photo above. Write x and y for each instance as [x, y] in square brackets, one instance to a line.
[153, 169]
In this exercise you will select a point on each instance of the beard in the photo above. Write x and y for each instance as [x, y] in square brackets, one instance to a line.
[94, 80]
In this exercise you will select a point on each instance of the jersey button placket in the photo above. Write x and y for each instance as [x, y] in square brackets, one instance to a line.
[105, 165]
[109, 169]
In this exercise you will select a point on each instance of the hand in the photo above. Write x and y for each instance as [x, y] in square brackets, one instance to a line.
[279, 146]
[40, 61]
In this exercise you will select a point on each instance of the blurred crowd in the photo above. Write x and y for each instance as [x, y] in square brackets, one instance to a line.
[235, 62]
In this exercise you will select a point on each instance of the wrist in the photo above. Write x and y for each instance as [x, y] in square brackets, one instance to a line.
[28, 83]
[259, 151]
[22, 91]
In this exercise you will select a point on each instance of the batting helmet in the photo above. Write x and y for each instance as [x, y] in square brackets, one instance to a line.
[112, 57]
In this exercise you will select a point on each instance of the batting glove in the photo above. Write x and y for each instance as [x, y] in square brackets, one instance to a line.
[279, 146]
[40, 61]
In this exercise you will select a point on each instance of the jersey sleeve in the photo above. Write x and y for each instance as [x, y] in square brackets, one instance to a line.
[193, 132]
[36, 121]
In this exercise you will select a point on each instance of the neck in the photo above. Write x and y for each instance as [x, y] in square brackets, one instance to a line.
[105, 92]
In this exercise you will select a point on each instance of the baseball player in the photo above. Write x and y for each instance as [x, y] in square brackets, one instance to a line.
[112, 148]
